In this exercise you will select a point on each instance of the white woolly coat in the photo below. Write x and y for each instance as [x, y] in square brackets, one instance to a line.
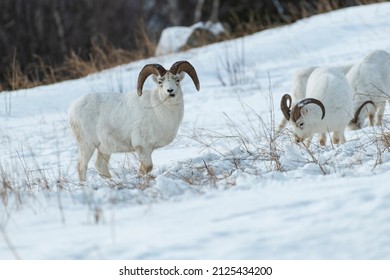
[122, 122]
[329, 85]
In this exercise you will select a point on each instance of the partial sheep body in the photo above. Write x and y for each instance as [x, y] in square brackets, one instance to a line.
[327, 106]
[302, 76]
[300, 80]
[370, 82]
[116, 123]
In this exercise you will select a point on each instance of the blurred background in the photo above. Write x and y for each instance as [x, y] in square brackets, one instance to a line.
[46, 41]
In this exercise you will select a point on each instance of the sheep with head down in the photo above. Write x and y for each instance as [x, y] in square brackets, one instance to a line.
[299, 84]
[117, 123]
[326, 108]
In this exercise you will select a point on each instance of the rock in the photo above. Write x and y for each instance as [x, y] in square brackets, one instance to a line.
[178, 38]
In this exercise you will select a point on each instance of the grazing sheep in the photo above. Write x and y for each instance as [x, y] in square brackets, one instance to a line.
[370, 82]
[299, 82]
[326, 107]
[114, 123]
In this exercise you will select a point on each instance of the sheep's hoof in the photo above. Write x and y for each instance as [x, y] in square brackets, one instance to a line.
[106, 175]
[149, 176]
[145, 169]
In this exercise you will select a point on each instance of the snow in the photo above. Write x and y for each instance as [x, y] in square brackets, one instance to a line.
[221, 190]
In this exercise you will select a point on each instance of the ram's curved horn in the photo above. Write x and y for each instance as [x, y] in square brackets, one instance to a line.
[185, 66]
[148, 70]
[296, 111]
[285, 106]
[357, 113]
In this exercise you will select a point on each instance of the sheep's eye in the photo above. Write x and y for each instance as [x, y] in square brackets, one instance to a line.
[160, 82]
[300, 125]
[177, 81]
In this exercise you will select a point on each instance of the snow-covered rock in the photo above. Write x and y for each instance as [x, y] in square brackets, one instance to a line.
[177, 38]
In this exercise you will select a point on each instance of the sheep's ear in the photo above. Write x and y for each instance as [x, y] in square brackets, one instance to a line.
[182, 75]
[154, 77]
[304, 111]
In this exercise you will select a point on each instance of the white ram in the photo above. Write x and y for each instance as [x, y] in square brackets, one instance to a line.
[327, 106]
[112, 123]
[299, 82]
[370, 82]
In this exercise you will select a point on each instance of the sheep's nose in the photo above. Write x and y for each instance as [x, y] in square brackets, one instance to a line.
[171, 94]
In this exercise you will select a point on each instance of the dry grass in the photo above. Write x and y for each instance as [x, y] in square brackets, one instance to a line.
[385, 138]
[104, 55]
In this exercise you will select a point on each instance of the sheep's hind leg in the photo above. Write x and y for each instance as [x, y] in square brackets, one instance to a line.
[85, 154]
[101, 164]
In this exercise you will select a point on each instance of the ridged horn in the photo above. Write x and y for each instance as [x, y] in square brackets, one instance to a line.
[285, 106]
[185, 66]
[296, 111]
[148, 70]
[357, 113]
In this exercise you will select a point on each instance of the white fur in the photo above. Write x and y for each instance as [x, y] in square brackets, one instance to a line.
[113, 123]
[299, 82]
[330, 86]
[301, 78]
[370, 80]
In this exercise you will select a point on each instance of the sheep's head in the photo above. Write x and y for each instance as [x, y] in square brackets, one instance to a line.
[358, 118]
[167, 80]
[298, 115]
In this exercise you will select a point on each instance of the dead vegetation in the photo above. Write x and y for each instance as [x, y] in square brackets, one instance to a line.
[102, 53]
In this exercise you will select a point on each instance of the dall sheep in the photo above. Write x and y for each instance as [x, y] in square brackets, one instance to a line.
[114, 123]
[370, 82]
[327, 107]
[299, 83]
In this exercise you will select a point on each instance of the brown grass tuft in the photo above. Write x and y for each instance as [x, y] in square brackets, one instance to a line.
[385, 138]
[103, 54]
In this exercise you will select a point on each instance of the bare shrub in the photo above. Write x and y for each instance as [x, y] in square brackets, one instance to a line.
[231, 65]
[250, 146]
[54, 35]
[386, 140]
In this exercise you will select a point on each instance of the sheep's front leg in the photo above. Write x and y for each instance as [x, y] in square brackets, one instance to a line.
[85, 154]
[322, 139]
[282, 125]
[102, 164]
[308, 141]
[338, 137]
[381, 110]
[145, 156]
[305, 142]
[371, 118]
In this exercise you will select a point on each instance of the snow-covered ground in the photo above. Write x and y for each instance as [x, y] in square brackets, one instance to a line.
[221, 190]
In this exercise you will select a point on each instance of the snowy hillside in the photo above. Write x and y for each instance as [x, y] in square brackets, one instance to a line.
[221, 190]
